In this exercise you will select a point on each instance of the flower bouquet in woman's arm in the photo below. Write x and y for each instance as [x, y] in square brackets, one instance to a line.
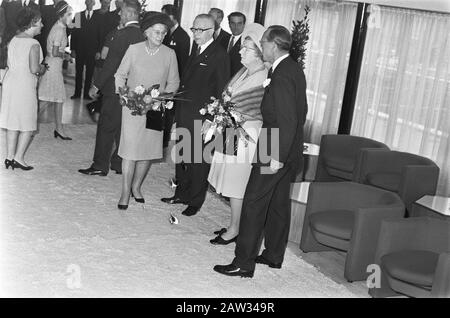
[224, 117]
[147, 101]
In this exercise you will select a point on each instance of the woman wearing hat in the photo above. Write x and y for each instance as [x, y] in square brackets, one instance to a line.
[229, 173]
[146, 63]
[51, 86]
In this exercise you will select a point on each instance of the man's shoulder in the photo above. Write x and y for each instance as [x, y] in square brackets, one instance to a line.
[181, 33]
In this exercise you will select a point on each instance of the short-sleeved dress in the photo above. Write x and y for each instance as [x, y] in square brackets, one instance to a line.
[138, 67]
[51, 86]
[19, 105]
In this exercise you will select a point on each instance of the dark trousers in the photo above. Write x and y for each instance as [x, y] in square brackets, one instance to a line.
[169, 119]
[82, 61]
[108, 133]
[266, 210]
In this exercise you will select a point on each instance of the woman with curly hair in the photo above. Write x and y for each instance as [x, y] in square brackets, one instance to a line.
[19, 105]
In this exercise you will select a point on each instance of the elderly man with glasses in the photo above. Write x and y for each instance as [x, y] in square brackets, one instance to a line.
[206, 74]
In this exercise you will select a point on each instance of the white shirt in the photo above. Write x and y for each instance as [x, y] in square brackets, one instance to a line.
[204, 46]
[235, 39]
[131, 22]
[278, 61]
[25, 3]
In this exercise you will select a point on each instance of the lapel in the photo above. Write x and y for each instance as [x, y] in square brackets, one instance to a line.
[193, 60]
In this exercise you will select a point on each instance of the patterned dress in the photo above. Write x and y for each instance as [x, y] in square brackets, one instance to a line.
[19, 104]
[51, 86]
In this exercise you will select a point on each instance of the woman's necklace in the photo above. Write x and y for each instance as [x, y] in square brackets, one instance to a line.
[147, 48]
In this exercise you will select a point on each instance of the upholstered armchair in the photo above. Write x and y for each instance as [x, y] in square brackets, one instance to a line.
[408, 175]
[346, 216]
[414, 257]
[339, 156]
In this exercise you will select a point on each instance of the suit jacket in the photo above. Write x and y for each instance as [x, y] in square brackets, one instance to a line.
[180, 42]
[223, 38]
[109, 21]
[11, 10]
[284, 107]
[119, 44]
[235, 57]
[2, 22]
[204, 76]
[86, 40]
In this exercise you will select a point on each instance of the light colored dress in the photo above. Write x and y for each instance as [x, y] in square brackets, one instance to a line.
[51, 86]
[19, 104]
[138, 67]
[229, 174]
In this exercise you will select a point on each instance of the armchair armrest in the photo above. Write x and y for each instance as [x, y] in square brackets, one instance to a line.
[417, 181]
[374, 160]
[441, 281]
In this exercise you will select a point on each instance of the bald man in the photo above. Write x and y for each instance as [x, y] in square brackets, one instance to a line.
[206, 74]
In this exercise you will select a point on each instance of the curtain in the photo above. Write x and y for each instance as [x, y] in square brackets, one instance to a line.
[191, 8]
[327, 56]
[404, 87]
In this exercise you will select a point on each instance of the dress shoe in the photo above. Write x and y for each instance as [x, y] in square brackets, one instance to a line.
[16, 165]
[76, 96]
[231, 270]
[173, 200]
[221, 231]
[262, 260]
[190, 211]
[218, 240]
[122, 206]
[138, 200]
[57, 134]
[93, 172]
[9, 163]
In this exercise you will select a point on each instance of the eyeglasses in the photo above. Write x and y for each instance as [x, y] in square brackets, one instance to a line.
[246, 48]
[195, 30]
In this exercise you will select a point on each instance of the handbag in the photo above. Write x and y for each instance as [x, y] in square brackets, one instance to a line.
[155, 120]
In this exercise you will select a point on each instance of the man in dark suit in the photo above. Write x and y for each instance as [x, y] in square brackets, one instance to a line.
[206, 74]
[266, 206]
[109, 124]
[221, 36]
[236, 21]
[11, 9]
[85, 44]
[178, 40]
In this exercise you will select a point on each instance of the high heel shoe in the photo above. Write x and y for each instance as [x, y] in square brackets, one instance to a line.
[138, 200]
[57, 134]
[122, 206]
[15, 164]
[218, 240]
[9, 163]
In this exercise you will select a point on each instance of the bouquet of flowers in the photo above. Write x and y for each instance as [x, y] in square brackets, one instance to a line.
[147, 101]
[225, 116]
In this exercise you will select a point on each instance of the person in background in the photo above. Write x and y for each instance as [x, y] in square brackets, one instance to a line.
[206, 73]
[2, 24]
[109, 123]
[19, 104]
[229, 173]
[51, 87]
[2, 39]
[11, 9]
[85, 44]
[221, 36]
[49, 18]
[138, 144]
[236, 21]
[178, 40]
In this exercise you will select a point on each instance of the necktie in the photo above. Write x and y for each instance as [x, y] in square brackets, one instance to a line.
[269, 75]
[88, 15]
[198, 51]
[230, 45]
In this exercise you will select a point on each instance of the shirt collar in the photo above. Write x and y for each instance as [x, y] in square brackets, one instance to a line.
[130, 22]
[174, 28]
[204, 46]
[278, 61]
